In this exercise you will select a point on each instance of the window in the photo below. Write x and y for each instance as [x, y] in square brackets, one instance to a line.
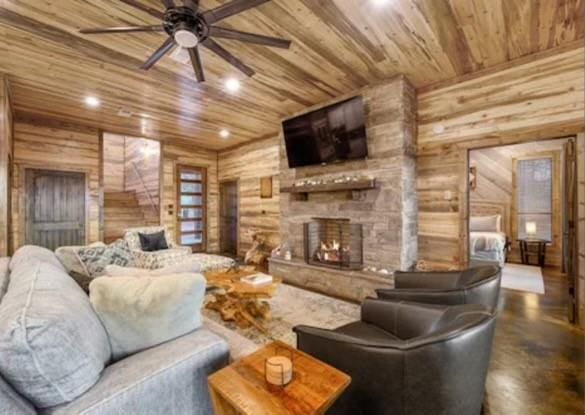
[192, 207]
[534, 198]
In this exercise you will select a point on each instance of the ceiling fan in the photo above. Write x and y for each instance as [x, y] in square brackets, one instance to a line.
[188, 27]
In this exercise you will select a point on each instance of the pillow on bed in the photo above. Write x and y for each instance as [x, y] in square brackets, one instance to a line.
[485, 223]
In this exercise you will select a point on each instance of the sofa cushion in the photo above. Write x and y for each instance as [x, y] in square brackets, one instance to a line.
[142, 312]
[52, 344]
[95, 259]
[131, 236]
[151, 242]
[11, 403]
[68, 257]
[4, 275]
[179, 268]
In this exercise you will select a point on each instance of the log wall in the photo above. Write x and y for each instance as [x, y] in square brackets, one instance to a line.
[540, 98]
[46, 144]
[248, 164]
[5, 154]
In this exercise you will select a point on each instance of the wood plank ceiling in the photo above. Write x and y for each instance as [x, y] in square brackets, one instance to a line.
[338, 46]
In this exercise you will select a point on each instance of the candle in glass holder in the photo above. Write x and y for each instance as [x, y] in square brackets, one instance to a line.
[278, 370]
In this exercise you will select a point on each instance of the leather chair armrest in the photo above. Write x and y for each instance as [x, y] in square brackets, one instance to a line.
[447, 297]
[431, 280]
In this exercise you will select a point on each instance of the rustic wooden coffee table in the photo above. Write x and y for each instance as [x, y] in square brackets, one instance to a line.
[241, 387]
[240, 302]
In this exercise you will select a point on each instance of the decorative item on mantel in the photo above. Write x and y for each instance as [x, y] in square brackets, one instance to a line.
[355, 184]
[379, 271]
[282, 251]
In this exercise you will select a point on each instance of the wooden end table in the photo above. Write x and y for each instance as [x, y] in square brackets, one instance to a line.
[241, 388]
[530, 247]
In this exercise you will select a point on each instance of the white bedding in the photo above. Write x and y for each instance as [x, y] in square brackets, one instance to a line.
[487, 241]
[488, 245]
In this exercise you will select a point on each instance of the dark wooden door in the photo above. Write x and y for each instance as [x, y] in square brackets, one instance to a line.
[570, 249]
[55, 208]
[192, 203]
[228, 217]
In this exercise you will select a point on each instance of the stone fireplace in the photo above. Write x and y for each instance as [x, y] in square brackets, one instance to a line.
[346, 227]
[333, 243]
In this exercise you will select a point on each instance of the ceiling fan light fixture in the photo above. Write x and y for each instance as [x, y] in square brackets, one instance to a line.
[186, 38]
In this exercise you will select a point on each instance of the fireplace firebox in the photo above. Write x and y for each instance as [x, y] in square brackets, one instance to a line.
[334, 243]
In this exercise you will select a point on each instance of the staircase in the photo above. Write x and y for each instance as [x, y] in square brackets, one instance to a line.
[122, 211]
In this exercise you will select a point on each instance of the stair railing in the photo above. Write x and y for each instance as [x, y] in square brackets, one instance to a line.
[148, 195]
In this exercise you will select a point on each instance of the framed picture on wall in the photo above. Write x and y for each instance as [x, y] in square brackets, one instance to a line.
[266, 187]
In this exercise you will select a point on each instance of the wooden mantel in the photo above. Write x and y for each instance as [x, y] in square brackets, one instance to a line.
[361, 184]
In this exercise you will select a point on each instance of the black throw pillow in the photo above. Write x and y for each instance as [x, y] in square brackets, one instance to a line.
[150, 242]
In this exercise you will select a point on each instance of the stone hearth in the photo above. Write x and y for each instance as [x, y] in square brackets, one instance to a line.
[387, 212]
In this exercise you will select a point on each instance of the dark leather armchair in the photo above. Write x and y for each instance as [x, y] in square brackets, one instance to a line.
[408, 359]
[479, 285]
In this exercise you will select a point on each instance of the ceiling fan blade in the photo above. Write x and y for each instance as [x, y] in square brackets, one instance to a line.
[229, 9]
[196, 62]
[225, 55]
[168, 3]
[192, 4]
[249, 37]
[153, 12]
[123, 29]
[159, 53]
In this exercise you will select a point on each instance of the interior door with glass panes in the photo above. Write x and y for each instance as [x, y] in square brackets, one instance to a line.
[191, 202]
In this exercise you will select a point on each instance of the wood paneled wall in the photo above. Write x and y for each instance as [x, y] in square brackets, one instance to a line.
[45, 144]
[174, 155]
[144, 155]
[581, 227]
[248, 164]
[495, 185]
[539, 99]
[5, 154]
[114, 156]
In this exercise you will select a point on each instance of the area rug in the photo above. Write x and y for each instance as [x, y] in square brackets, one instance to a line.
[290, 307]
[523, 278]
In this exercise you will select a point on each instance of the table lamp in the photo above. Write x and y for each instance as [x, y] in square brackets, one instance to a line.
[531, 229]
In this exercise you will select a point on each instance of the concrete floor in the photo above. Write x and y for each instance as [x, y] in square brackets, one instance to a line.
[537, 364]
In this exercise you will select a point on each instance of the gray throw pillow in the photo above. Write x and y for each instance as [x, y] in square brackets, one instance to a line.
[53, 347]
[96, 258]
[142, 312]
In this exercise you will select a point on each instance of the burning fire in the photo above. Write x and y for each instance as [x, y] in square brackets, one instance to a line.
[331, 251]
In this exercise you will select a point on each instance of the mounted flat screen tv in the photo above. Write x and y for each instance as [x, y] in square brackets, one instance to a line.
[328, 135]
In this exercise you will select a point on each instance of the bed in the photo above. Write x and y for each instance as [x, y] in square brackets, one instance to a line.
[487, 241]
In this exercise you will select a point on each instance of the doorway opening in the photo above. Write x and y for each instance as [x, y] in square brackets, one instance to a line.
[522, 212]
[131, 177]
[229, 217]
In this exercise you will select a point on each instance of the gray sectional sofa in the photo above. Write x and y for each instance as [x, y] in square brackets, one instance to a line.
[55, 357]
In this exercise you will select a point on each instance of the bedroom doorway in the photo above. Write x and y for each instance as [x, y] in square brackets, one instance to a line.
[519, 216]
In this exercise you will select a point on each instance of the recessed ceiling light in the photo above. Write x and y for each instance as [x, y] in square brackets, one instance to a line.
[232, 85]
[379, 2]
[224, 133]
[92, 102]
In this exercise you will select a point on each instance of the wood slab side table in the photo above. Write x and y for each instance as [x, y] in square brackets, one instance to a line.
[241, 388]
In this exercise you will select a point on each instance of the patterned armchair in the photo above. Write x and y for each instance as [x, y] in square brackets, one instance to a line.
[156, 259]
